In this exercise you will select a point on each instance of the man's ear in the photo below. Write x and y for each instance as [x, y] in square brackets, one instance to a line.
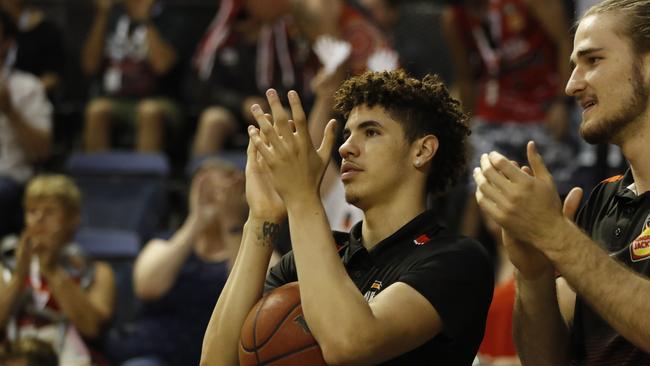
[425, 149]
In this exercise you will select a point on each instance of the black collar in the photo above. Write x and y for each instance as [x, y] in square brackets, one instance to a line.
[623, 192]
[418, 231]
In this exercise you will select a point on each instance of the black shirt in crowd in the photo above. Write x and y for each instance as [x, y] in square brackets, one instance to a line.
[41, 50]
[454, 274]
[619, 220]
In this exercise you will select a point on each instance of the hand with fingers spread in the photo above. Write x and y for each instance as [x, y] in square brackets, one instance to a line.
[294, 165]
[527, 206]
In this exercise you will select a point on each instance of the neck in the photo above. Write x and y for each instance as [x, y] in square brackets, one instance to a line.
[384, 219]
[636, 150]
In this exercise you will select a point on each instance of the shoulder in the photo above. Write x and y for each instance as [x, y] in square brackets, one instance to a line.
[462, 247]
[599, 198]
[452, 259]
[605, 190]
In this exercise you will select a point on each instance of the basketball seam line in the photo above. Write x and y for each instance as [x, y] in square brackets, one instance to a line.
[272, 333]
[287, 353]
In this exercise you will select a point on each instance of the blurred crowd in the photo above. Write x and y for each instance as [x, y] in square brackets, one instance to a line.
[172, 82]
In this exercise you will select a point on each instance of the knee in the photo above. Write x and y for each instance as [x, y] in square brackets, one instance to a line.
[98, 109]
[215, 119]
[151, 110]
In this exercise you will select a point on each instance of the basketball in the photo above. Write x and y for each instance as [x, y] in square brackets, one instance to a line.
[275, 332]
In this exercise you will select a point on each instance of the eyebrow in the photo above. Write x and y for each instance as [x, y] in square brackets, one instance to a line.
[584, 52]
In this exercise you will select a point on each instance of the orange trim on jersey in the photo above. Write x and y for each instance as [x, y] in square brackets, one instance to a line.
[613, 179]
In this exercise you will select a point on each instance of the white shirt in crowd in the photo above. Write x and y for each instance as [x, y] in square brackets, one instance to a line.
[29, 98]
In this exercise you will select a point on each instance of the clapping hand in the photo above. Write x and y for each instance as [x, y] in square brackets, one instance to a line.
[294, 166]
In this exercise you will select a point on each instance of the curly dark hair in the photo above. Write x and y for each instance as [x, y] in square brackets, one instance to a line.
[423, 107]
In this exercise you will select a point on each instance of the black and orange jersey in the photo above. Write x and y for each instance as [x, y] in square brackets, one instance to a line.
[619, 220]
[455, 274]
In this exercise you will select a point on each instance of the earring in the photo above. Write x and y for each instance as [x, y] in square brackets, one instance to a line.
[417, 163]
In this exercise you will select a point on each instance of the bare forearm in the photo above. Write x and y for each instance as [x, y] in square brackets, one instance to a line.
[325, 287]
[242, 290]
[537, 313]
[75, 304]
[162, 55]
[93, 51]
[35, 142]
[157, 267]
[614, 291]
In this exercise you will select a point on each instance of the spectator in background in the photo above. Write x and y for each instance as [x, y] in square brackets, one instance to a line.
[510, 60]
[180, 279]
[133, 50]
[409, 29]
[50, 290]
[583, 289]
[40, 50]
[25, 129]
[498, 346]
[305, 21]
[239, 58]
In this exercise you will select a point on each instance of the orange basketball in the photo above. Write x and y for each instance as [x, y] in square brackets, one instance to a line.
[275, 332]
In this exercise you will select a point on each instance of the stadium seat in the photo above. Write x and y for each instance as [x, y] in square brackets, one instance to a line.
[122, 190]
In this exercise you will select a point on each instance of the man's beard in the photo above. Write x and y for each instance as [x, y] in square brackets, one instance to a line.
[604, 131]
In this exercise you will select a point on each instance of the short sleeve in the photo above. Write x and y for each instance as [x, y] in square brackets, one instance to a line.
[458, 282]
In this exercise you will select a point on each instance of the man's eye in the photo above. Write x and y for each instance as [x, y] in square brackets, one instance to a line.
[594, 60]
[371, 133]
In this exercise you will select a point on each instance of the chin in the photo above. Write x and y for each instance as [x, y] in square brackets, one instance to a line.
[600, 132]
[352, 198]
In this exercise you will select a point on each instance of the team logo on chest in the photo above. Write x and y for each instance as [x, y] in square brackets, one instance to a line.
[374, 290]
[640, 247]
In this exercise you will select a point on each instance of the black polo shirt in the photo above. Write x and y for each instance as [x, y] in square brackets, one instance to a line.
[454, 274]
[619, 220]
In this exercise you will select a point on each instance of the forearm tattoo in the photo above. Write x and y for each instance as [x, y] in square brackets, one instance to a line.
[270, 234]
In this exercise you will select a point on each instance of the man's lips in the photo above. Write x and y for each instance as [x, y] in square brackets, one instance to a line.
[348, 170]
[588, 103]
